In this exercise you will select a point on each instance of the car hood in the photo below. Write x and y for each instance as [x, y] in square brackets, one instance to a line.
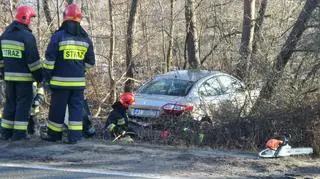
[148, 101]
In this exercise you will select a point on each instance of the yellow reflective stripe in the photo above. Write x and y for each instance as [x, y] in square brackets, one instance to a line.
[67, 83]
[18, 78]
[13, 47]
[1, 65]
[121, 121]
[54, 128]
[12, 42]
[75, 127]
[7, 121]
[73, 47]
[13, 76]
[111, 127]
[37, 67]
[48, 66]
[74, 42]
[20, 127]
[7, 126]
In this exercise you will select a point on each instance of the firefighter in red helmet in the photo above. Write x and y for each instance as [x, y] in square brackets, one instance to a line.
[20, 66]
[117, 121]
[68, 56]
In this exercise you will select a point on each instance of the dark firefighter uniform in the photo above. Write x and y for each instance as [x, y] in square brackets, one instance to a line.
[69, 54]
[20, 64]
[117, 120]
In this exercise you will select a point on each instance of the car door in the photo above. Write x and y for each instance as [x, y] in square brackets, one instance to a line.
[211, 94]
[233, 90]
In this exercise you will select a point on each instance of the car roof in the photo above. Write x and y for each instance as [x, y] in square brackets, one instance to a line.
[189, 75]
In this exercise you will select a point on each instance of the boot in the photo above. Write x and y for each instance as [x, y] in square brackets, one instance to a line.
[71, 142]
[20, 138]
[48, 138]
[31, 126]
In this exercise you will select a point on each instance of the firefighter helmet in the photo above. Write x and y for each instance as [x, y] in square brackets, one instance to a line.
[72, 12]
[127, 99]
[24, 14]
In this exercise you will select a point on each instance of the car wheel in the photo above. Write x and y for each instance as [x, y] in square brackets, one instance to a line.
[206, 119]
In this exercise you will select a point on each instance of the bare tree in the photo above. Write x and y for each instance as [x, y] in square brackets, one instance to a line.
[242, 68]
[145, 35]
[39, 20]
[258, 26]
[11, 8]
[170, 46]
[111, 55]
[47, 14]
[287, 51]
[58, 12]
[129, 84]
[192, 37]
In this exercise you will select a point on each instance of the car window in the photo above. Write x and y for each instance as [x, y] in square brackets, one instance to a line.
[171, 87]
[210, 87]
[229, 84]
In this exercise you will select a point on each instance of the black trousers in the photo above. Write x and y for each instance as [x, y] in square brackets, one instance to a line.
[60, 98]
[16, 112]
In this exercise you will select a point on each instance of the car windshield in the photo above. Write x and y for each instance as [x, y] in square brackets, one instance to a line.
[170, 87]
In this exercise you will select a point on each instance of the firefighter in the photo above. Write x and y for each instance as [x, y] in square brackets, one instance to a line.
[38, 99]
[117, 121]
[68, 55]
[20, 67]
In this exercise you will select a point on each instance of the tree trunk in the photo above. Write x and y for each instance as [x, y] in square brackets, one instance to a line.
[170, 46]
[258, 25]
[286, 51]
[111, 54]
[11, 9]
[192, 37]
[89, 18]
[145, 35]
[129, 84]
[242, 68]
[58, 12]
[38, 23]
[47, 14]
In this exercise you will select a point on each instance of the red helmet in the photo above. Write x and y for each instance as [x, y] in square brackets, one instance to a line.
[24, 14]
[72, 12]
[127, 99]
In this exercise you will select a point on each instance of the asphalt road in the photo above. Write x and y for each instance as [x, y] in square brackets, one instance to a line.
[11, 170]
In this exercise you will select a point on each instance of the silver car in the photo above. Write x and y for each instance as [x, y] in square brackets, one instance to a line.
[185, 91]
